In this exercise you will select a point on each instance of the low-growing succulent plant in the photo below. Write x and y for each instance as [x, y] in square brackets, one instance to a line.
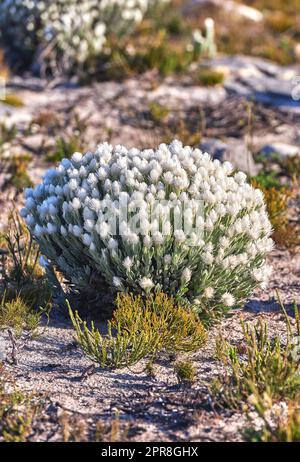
[62, 34]
[169, 219]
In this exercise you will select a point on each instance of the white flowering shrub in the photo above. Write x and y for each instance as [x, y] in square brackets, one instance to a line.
[212, 257]
[60, 34]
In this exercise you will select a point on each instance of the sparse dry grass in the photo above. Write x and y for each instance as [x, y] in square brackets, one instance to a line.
[259, 364]
[280, 423]
[282, 202]
[18, 169]
[16, 314]
[17, 410]
[24, 285]
[185, 372]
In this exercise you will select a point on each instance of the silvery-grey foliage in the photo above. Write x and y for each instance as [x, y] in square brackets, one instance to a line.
[214, 265]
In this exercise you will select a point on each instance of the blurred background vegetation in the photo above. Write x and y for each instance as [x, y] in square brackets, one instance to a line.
[172, 36]
[176, 47]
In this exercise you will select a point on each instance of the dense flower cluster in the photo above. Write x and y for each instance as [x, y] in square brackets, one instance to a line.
[65, 32]
[214, 263]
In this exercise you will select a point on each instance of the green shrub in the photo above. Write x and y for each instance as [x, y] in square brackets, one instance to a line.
[266, 180]
[140, 328]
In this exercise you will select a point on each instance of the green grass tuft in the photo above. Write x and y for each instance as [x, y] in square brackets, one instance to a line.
[185, 372]
[208, 77]
[19, 316]
[13, 100]
[280, 422]
[17, 411]
[140, 328]
[259, 364]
